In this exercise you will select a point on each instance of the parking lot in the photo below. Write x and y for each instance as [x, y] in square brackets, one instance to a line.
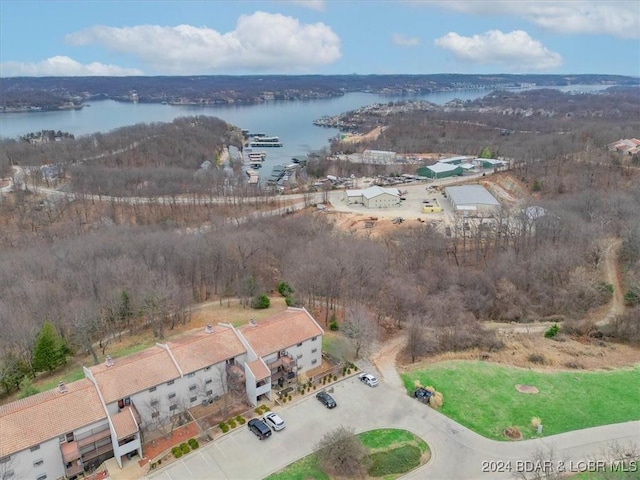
[456, 452]
[240, 455]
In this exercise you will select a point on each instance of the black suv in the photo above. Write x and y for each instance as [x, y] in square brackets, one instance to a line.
[259, 428]
[326, 399]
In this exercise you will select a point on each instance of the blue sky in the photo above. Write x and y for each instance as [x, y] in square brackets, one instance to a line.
[145, 37]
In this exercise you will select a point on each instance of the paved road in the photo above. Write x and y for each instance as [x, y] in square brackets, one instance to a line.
[457, 453]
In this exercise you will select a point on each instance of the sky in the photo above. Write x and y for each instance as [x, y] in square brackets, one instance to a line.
[291, 37]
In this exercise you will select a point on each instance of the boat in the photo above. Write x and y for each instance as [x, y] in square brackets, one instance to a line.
[276, 174]
[264, 141]
[261, 143]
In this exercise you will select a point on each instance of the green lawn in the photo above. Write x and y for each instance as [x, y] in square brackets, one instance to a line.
[393, 452]
[482, 396]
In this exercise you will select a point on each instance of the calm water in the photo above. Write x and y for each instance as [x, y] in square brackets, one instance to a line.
[290, 120]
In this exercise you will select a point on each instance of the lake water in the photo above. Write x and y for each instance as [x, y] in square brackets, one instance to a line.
[289, 120]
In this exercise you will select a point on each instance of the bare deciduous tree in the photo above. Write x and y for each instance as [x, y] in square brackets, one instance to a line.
[340, 452]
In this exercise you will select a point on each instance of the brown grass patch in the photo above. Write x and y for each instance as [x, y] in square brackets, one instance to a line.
[512, 433]
[526, 389]
[570, 354]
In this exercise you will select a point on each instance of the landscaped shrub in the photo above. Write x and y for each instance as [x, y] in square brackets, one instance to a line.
[260, 302]
[241, 420]
[552, 331]
[224, 427]
[284, 399]
[177, 452]
[335, 378]
[314, 387]
[185, 448]
[232, 423]
[290, 398]
[193, 443]
[153, 465]
[535, 423]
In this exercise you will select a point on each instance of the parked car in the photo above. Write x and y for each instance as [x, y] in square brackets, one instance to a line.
[368, 379]
[274, 421]
[326, 399]
[259, 428]
[422, 394]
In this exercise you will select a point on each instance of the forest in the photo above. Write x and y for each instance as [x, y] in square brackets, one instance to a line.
[93, 268]
[50, 92]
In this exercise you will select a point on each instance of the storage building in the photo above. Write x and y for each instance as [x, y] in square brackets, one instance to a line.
[373, 197]
[472, 200]
[440, 170]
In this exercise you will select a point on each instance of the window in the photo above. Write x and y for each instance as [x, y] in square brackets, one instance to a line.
[41, 477]
[191, 375]
[170, 382]
[299, 356]
[152, 389]
[172, 395]
[70, 437]
[314, 350]
[299, 345]
[155, 414]
[173, 407]
[62, 438]
[208, 381]
[34, 448]
[209, 392]
[193, 399]
[314, 339]
[192, 387]
[38, 462]
[155, 402]
[314, 361]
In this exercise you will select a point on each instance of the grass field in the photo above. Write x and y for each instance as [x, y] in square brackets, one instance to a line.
[393, 452]
[482, 396]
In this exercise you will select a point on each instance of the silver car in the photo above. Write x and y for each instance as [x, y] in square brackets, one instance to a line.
[368, 379]
[274, 421]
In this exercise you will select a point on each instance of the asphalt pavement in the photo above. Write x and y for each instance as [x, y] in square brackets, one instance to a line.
[457, 452]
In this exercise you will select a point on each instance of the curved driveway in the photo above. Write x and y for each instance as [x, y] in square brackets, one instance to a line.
[457, 452]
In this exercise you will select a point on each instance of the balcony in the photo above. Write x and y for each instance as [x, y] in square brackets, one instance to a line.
[73, 470]
[285, 363]
[97, 452]
[70, 452]
[93, 436]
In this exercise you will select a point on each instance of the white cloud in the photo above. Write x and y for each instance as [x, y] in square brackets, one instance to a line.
[61, 66]
[619, 18]
[516, 50]
[261, 42]
[318, 5]
[404, 40]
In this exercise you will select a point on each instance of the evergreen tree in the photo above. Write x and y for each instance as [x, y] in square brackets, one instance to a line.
[27, 388]
[49, 351]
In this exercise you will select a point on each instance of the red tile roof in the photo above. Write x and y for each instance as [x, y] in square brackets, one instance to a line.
[283, 330]
[259, 370]
[124, 423]
[134, 373]
[41, 417]
[198, 350]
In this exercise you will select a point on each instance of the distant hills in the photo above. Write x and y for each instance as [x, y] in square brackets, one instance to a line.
[56, 93]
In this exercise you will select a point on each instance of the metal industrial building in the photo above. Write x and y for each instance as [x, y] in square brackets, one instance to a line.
[472, 200]
[373, 197]
[440, 170]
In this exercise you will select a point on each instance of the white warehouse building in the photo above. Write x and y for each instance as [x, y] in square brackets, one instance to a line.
[472, 200]
[373, 197]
